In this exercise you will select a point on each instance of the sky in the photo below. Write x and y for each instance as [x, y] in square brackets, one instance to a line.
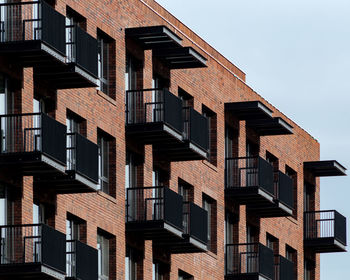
[296, 54]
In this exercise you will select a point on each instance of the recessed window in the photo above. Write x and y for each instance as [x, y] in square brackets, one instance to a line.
[292, 255]
[103, 257]
[132, 263]
[212, 126]
[209, 205]
[106, 58]
[106, 163]
[294, 176]
[184, 276]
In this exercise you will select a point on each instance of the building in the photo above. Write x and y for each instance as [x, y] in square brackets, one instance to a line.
[131, 149]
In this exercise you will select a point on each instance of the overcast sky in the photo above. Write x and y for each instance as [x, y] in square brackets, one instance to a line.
[296, 54]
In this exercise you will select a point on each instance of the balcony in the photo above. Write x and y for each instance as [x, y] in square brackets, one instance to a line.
[81, 261]
[154, 116]
[81, 175]
[32, 252]
[33, 144]
[325, 231]
[250, 181]
[195, 233]
[284, 269]
[155, 213]
[283, 198]
[252, 261]
[80, 69]
[195, 144]
[32, 34]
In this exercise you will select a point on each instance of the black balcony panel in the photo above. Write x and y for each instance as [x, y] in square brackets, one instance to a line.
[249, 180]
[155, 211]
[249, 110]
[180, 58]
[284, 269]
[325, 231]
[32, 252]
[249, 261]
[154, 37]
[198, 132]
[325, 168]
[34, 143]
[82, 261]
[273, 126]
[154, 116]
[33, 32]
[198, 223]
[80, 70]
[86, 51]
[285, 192]
[86, 154]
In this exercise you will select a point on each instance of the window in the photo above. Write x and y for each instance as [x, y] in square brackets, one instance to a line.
[294, 176]
[272, 243]
[184, 276]
[130, 264]
[187, 99]
[133, 169]
[186, 191]
[212, 126]
[292, 255]
[6, 207]
[73, 19]
[231, 142]
[210, 206]
[105, 51]
[131, 72]
[309, 197]
[74, 125]
[73, 233]
[103, 257]
[309, 267]
[103, 163]
[160, 271]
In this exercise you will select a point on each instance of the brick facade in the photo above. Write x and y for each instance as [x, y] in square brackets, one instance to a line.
[212, 87]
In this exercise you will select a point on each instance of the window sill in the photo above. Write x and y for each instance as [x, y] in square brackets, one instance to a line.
[107, 196]
[106, 97]
[211, 166]
[211, 254]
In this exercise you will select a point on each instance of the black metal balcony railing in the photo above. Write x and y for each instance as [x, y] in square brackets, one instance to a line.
[195, 222]
[249, 258]
[151, 204]
[81, 48]
[82, 156]
[31, 133]
[323, 226]
[284, 189]
[32, 244]
[284, 269]
[152, 106]
[81, 261]
[31, 21]
[249, 172]
[196, 128]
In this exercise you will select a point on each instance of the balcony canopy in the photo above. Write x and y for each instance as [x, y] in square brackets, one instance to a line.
[154, 37]
[272, 126]
[259, 117]
[325, 168]
[249, 110]
[181, 58]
